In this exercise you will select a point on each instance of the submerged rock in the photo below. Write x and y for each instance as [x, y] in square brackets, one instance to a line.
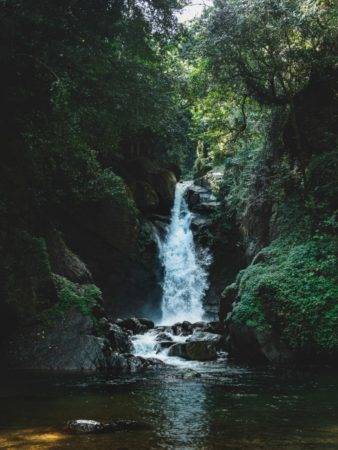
[188, 374]
[84, 426]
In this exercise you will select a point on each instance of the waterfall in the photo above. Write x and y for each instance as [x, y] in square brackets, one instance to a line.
[185, 267]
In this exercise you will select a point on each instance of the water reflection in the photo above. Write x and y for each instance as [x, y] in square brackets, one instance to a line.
[186, 418]
[227, 408]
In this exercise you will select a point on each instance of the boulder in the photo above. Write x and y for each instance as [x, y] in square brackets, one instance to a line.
[147, 323]
[132, 324]
[66, 344]
[163, 337]
[217, 339]
[256, 346]
[84, 426]
[201, 350]
[119, 340]
[179, 350]
[200, 346]
[162, 345]
[188, 374]
[182, 329]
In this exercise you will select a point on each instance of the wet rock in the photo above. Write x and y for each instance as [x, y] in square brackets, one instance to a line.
[214, 327]
[154, 363]
[147, 323]
[179, 350]
[162, 345]
[199, 326]
[201, 350]
[132, 324]
[205, 336]
[163, 337]
[188, 374]
[120, 340]
[182, 329]
[84, 426]
[126, 364]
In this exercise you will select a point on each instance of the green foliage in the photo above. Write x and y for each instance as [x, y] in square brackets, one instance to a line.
[74, 296]
[293, 290]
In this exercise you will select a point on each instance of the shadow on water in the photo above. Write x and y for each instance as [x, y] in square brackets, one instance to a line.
[228, 407]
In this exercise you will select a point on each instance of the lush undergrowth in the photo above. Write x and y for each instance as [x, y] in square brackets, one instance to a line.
[292, 288]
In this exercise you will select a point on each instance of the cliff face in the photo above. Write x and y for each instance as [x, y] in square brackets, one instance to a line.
[95, 262]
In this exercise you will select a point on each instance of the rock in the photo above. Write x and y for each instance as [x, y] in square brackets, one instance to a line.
[161, 345]
[84, 426]
[256, 346]
[188, 374]
[179, 350]
[145, 196]
[201, 350]
[205, 336]
[66, 344]
[214, 327]
[64, 261]
[182, 329]
[147, 323]
[163, 337]
[200, 346]
[154, 363]
[198, 325]
[132, 324]
[228, 298]
[119, 340]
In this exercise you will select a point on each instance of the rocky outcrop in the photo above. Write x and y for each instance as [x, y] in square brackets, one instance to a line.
[68, 344]
[74, 342]
[210, 233]
[152, 185]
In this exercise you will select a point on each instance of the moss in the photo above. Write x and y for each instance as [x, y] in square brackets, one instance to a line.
[294, 290]
[73, 296]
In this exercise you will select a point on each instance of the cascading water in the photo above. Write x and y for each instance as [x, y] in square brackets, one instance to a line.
[185, 280]
[185, 274]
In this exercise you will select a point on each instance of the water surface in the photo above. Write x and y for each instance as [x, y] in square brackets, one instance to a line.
[229, 407]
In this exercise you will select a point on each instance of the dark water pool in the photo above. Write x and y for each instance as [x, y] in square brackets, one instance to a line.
[227, 408]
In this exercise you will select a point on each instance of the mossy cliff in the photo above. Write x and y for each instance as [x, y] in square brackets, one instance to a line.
[284, 305]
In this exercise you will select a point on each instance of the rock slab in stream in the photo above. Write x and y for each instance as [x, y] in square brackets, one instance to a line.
[83, 426]
[198, 350]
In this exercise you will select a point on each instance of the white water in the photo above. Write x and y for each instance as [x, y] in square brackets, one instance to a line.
[185, 281]
[185, 269]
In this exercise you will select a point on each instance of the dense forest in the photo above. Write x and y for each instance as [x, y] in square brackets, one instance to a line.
[106, 104]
